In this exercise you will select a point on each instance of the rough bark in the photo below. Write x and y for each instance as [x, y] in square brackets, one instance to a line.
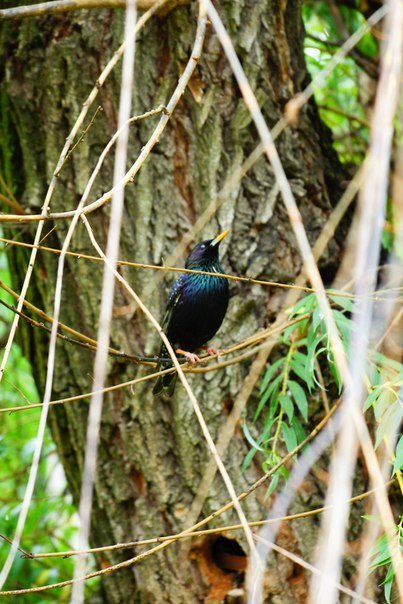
[152, 454]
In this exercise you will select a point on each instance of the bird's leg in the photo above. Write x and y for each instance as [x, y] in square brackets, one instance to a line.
[212, 351]
[190, 356]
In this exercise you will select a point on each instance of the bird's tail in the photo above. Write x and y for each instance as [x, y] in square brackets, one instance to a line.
[165, 384]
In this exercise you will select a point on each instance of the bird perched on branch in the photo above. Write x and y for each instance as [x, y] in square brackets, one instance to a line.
[196, 308]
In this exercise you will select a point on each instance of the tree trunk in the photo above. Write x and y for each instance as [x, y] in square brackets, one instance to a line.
[152, 454]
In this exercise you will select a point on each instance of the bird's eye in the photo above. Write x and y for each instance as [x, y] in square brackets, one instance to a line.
[203, 246]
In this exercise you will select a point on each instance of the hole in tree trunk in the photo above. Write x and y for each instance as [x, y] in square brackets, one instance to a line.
[228, 555]
[221, 563]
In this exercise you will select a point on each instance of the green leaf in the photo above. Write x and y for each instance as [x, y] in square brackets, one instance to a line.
[273, 484]
[299, 398]
[304, 306]
[344, 325]
[250, 438]
[270, 373]
[398, 463]
[286, 403]
[387, 584]
[270, 390]
[380, 553]
[269, 420]
[301, 372]
[284, 472]
[383, 361]
[372, 397]
[250, 455]
[314, 339]
[385, 400]
[296, 327]
[317, 319]
[290, 437]
[298, 429]
[390, 419]
[345, 303]
[335, 371]
[368, 45]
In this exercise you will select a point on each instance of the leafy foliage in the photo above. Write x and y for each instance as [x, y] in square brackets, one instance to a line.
[291, 380]
[52, 523]
[341, 98]
[381, 558]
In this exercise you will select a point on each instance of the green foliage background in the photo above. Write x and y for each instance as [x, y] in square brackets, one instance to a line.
[285, 389]
[51, 523]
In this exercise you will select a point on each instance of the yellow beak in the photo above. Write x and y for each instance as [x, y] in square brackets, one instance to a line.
[219, 238]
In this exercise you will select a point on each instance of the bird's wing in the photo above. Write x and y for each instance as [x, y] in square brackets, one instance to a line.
[173, 299]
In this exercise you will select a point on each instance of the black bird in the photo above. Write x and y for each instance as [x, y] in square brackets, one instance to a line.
[196, 308]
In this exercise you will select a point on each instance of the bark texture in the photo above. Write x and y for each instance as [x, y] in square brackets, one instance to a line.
[152, 453]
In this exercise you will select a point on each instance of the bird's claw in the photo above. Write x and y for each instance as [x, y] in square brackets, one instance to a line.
[213, 351]
[190, 356]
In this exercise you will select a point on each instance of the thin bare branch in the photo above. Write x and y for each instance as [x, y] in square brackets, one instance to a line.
[261, 360]
[57, 7]
[81, 138]
[255, 577]
[314, 570]
[108, 289]
[372, 209]
[206, 520]
[195, 404]
[45, 208]
[180, 536]
[85, 340]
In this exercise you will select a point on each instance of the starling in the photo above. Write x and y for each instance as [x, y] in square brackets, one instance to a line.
[195, 309]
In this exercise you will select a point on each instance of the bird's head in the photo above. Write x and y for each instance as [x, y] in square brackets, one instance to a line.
[206, 252]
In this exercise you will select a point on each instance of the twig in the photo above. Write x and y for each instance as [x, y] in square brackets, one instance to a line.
[372, 204]
[108, 289]
[56, 7]
[314, 570]
[11, 204]
[256, 574]
[82, 137]
[249, 280]
[11, 201]
[23, 552]
[149, 361]
[45, 208]
[77, 334]
[180, 536]
[338, 111]
[206, 520]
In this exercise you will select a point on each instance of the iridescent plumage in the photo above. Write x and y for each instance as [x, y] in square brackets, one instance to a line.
[196, 306]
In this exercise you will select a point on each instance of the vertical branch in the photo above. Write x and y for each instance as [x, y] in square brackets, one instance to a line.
[45, 208]
[193, 400]
[261, 359]
[44, 212]
[255, 576]
[372, 213]
[108, 288]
